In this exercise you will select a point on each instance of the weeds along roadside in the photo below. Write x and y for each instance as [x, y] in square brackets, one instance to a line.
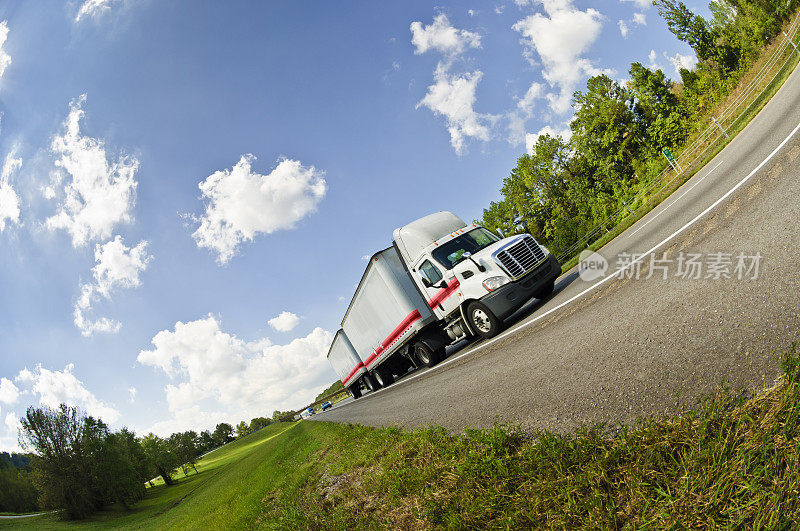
[730, 463]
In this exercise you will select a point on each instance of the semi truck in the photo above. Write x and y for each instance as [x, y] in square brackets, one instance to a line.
[442, 281]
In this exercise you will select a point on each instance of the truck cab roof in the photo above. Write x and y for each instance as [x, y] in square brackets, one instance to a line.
[413, 238]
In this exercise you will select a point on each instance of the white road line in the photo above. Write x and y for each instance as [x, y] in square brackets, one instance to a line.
[606, 279]
[676, 199]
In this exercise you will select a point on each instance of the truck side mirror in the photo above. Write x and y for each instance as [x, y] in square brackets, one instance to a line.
[425, 281]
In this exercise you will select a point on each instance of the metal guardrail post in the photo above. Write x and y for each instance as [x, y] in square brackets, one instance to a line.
[724, 132]
[791, 42]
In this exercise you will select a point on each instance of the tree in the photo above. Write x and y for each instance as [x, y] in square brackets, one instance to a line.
[61, 465]
[79, 465]
[259, 423]
[205, 442]
[161, 457]
[708, 42]
[607, 138]
[223, 433]
[242, 429]
[662, 117]
[184, 446]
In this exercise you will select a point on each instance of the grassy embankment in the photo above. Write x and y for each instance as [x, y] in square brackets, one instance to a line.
[730, 464]
[766, 85]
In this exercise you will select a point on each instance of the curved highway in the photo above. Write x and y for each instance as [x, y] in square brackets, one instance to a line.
[615, 350]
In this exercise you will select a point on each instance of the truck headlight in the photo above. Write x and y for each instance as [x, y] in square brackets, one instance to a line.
[492, 283]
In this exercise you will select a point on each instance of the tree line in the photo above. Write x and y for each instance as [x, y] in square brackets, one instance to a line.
[562, 189]
[78, 465]
[17, 493]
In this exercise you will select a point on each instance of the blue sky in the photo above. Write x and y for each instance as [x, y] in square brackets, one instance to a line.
[188, 189]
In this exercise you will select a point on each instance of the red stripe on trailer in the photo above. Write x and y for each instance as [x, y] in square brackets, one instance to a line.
[444, 293]
[399, 330]
[355, 370]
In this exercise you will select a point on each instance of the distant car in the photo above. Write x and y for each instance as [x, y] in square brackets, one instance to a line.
[311, 410]
[326, 405]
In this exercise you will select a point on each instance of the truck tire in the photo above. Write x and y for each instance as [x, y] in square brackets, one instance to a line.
[370, 382]
[482, 320]
[425, 355]
[355, 391]
[383, 376]
[545, 290]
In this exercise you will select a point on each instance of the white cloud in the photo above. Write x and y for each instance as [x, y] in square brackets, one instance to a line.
[453, 97]
[242, 203]
[639, 19]
[116, 266]
[523, 112]
[653, 63]
[682, 61]
[99, 194]
[472, 12]
[9, 200]
[12, 422]
[523, 3]
[499, 9]
[642, 4]
[219, 376]
[8, 391]
[94, 8]
[62, 387]
[623, 29]
[442, 37]
[5, 59]
[560, 38]
[284, 322]
[531, 138]
[131, 394]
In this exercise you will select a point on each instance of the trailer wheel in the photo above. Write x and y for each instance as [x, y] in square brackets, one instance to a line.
[370, 382]
[483, 320]
[355, 390]
[383, 376]
[425, 355]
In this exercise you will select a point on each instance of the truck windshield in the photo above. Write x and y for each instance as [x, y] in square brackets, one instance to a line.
[452, 252]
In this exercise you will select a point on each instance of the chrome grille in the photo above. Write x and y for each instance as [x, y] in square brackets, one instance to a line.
[521, 257]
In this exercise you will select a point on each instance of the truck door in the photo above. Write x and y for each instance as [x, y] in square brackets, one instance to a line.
[442, 294]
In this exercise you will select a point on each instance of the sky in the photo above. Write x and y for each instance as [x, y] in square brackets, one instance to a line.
[189, 190]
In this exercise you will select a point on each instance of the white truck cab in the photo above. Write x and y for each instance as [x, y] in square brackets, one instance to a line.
[441, 281]
[471, 277]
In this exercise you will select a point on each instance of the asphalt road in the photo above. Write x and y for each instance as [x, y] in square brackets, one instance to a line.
[616, 350]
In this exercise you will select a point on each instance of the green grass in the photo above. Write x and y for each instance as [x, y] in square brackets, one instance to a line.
[223, 494]
[731, 464]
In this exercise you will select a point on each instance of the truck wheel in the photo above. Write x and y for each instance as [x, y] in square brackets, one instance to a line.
[425, 355]
[355, 391]
[370, 382]
[483, 320]
[383, 376]
[545, 290]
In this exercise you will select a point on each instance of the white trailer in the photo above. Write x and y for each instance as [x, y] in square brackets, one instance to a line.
[345, 361]
[387, 310]
[442, 281]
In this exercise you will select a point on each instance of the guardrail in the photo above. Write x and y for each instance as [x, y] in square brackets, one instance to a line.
[689, 157]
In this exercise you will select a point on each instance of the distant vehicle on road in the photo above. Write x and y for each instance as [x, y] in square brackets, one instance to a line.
[311, 410]
[441, 281]
[326, 405]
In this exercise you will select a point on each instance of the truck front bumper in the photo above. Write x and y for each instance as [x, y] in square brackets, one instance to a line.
[509, 298]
